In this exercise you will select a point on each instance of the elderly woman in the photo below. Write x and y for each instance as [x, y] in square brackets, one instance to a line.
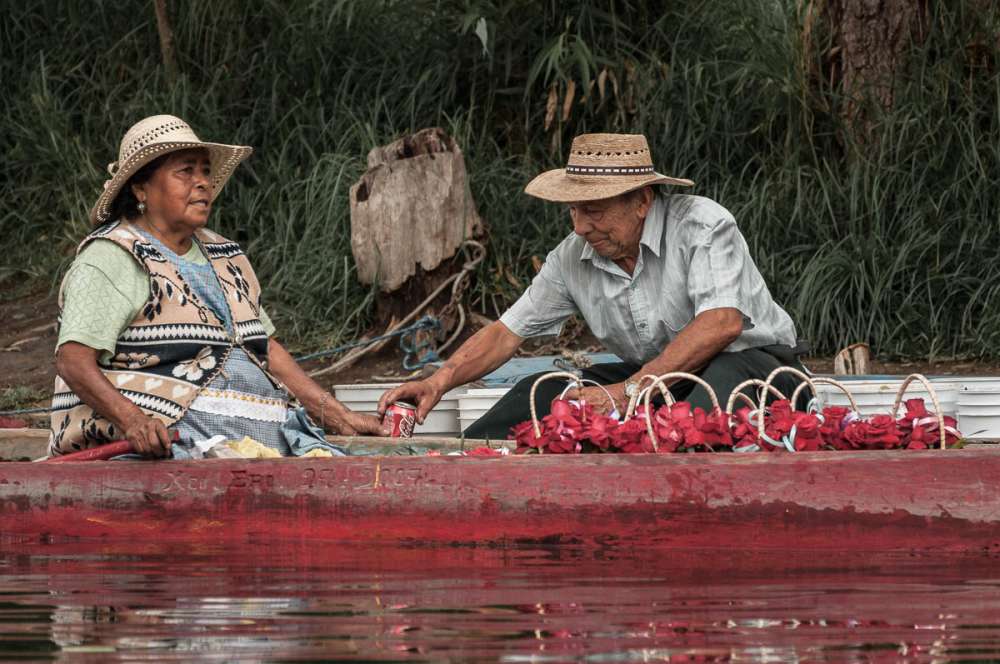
[162, 334]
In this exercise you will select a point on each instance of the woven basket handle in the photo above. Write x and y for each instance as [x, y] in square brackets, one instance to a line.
[574, 379]
[659, 382]
[633, 402]
[767, 383]
[737, 393]
[824, 381]
[934, 399]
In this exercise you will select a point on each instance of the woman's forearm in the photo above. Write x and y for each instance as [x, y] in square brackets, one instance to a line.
[76, 364]
[318, 402]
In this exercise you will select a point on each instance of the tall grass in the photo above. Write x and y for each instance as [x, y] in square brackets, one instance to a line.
[889, 241]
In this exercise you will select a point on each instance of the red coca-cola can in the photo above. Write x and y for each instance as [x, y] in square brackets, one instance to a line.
[399, 419]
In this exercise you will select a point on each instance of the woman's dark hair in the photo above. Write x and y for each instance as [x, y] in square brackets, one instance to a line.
[125, 204]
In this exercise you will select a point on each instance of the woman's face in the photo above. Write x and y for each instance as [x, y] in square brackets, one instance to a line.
[179, 193]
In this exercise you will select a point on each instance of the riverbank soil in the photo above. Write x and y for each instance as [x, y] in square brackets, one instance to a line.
[28, 337]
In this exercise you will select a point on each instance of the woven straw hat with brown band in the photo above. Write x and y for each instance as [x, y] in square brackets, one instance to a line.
[601, 166]
[154, 136]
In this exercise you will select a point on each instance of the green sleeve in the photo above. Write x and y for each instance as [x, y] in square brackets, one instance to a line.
[266, 322]
[102, 294]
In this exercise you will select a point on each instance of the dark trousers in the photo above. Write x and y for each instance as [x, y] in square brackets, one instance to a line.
[723, 373]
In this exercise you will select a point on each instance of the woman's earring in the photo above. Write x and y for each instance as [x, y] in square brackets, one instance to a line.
[142, 207]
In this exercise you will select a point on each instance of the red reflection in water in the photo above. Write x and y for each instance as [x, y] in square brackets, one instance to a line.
[177, 603]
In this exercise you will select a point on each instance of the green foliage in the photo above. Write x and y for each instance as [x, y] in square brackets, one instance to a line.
[15, 398]
[888, 240]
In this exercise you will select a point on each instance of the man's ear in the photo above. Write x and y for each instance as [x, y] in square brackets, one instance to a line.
[645, 201]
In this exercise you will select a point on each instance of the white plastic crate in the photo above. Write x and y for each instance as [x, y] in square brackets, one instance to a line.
[876, 396]
[364, 397]
[979, 408]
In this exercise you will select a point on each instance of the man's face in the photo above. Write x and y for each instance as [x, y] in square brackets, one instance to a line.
[612, 226]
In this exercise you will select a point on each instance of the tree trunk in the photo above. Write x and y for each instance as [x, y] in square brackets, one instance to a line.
[410, 212]
[871, 39]
[166, 39]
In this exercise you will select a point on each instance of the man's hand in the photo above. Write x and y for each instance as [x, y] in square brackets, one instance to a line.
[598, 398]
[424, 394]
[148, 435]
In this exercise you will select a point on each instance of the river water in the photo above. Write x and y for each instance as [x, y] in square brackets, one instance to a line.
[294, 602]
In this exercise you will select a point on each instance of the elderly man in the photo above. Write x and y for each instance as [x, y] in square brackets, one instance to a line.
[664, 281]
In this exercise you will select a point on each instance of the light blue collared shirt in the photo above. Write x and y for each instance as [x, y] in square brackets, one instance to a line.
[692, 258]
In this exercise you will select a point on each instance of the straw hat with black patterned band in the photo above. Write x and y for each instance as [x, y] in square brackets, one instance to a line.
[157, 135]
[601, 166]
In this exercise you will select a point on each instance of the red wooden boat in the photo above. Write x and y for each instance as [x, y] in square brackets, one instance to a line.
[874, 501]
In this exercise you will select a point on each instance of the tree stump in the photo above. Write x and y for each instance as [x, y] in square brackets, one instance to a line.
[410, 212]
[853, 360]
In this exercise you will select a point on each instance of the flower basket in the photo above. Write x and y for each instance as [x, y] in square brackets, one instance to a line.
[574, 427]
[838, 428]
[569, 428]
[676, 427]
[919, 426]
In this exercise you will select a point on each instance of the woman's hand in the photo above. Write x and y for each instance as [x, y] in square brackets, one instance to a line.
[148, 435]
[366, 425]
[324, 409]
[345, 422]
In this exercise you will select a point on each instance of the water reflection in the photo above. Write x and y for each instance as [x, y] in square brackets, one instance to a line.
[263, 603]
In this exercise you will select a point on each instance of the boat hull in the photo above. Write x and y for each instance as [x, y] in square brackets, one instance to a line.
[878, 501]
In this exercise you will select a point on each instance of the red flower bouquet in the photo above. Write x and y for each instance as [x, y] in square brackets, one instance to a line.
[921, 430]
[574, 427]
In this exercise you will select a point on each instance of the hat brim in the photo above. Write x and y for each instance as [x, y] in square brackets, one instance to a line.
[557, 186]
[224, 158]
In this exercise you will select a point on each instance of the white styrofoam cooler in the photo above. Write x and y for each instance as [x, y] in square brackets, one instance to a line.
[876, 396]
[363, 398]
[979, 408]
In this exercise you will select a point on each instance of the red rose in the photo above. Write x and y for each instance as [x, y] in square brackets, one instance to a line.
[524, 434]
[631, 437]
[744, 433]
[835, 419]
[878, 433]
[920, 428]
[778, 425]
[484, 451]
[708, 430]
[669, 422]
[600, 431]
[807, 434]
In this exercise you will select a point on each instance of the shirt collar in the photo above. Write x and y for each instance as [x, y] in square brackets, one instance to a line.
[652, 232]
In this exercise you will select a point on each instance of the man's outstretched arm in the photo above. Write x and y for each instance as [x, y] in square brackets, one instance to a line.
[483, 352]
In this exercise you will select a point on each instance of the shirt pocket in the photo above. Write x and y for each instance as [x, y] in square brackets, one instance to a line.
[672, 315]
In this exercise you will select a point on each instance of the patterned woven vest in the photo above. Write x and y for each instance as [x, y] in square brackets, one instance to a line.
[175, 346]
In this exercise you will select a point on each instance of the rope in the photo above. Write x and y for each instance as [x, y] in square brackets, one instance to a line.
[458, 283]
[425, 323]
[24, 411]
